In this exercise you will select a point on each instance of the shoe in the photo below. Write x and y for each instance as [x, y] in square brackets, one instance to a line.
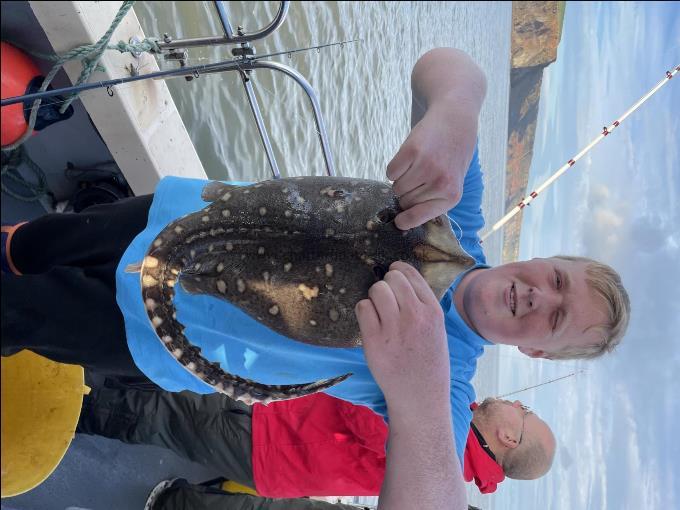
[159, 489]
[6, 264]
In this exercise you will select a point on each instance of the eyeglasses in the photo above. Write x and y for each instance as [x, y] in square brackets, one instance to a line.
[527, 410]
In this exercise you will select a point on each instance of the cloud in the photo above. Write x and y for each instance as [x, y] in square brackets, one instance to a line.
[672, 156]
[566, 460]
[648, 493]
[599, 193]
[649, 234]
[616, 427]
[603, 224]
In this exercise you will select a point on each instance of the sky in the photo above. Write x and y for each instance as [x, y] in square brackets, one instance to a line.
[615, 423]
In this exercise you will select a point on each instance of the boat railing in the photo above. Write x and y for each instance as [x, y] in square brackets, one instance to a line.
[175, 49]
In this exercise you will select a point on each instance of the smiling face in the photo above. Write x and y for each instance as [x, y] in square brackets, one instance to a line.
[541, 305]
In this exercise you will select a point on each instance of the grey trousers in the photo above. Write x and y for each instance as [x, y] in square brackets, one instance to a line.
[212, 430]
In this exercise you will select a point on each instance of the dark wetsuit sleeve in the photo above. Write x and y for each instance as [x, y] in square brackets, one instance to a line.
[64, 305]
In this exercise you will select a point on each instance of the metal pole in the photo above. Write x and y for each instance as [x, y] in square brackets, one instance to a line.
[223, 14]
[255, 108]
[229, 37]
[318, 117]
[184, 71]
[217, 67]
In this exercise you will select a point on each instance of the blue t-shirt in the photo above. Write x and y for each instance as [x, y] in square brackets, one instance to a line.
[246, 348]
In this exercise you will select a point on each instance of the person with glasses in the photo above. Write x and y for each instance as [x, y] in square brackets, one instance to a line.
[515, 437]
[344, 444]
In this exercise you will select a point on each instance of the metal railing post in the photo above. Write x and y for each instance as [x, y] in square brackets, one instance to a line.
[311, 95]
[245, 64]
[264, 136]
[228, 37]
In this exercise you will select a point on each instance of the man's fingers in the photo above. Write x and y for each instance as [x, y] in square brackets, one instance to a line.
[385, 303]
[403, 291]
[419, 214]
[420, 287]
[409, 181]
[421, 194]
[367, 316]
[400, 164]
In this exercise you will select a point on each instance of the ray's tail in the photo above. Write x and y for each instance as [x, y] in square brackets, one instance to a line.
[160, 271]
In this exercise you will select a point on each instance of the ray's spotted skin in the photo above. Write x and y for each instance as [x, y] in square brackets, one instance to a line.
[297, 255]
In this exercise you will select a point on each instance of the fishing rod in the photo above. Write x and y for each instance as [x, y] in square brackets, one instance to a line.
[542, 384]
[605, 131]
[225, 65]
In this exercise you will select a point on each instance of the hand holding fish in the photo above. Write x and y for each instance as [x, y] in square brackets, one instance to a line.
[406, 350]
[402, 326]
[429, 169]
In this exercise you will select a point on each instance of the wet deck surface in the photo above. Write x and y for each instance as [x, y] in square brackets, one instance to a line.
[104, 474]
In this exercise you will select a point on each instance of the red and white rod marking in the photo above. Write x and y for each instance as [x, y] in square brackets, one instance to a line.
[605, 131]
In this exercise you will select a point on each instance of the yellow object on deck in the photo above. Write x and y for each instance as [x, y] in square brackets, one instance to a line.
[41, 402]
[237, 488]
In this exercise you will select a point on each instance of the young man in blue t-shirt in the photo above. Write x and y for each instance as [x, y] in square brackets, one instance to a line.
[419, 354]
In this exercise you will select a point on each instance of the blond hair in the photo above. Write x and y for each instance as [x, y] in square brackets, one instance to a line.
[606, 283]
